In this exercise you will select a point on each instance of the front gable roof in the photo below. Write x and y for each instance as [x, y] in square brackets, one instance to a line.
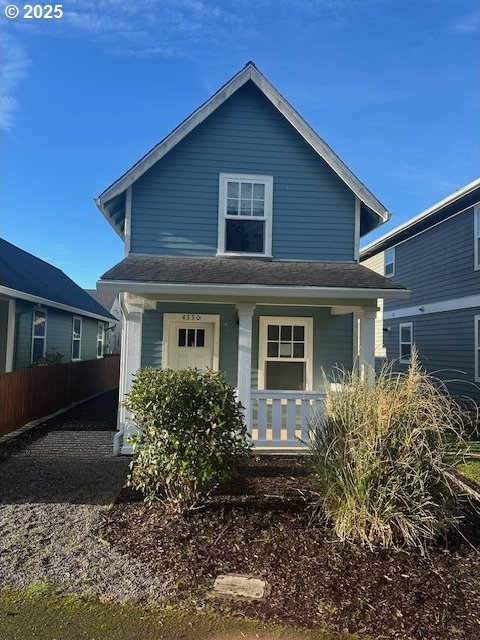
[27, 277]
[112, 201]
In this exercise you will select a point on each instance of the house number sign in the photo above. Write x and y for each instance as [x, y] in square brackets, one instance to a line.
[191, 316]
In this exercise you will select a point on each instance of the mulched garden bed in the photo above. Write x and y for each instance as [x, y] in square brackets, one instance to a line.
[260, 524]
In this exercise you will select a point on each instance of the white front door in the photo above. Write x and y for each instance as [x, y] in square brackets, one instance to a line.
[190, 345]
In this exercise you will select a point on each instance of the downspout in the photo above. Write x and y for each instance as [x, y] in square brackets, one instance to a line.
[118, 437]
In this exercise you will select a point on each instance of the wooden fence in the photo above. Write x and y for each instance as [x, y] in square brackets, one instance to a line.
[28, 394]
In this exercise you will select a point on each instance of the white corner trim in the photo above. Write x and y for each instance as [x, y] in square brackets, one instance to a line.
[453, 304]
[128, 220]
[356, 250]
[10, 351]
[476, 236]
[14, 293]
[249, 72]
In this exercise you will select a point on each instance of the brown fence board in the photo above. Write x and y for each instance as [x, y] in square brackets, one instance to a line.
[29, 394]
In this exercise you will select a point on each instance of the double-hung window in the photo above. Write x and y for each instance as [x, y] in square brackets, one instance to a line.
[39, 334]
[285, 353]
[477, 236]
[245, 215]
[405, 342]
[389, 265]
[100, 340]
[77, 338]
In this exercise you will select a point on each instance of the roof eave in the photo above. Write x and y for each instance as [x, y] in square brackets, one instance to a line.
[248, 290]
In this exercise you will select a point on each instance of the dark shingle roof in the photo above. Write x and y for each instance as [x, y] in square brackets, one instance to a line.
[142, 268]
[105, 298]
[23, 272]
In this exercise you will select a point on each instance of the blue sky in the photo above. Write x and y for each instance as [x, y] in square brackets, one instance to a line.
[391, 85]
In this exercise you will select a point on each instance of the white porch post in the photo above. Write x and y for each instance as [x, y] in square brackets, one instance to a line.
[130, 362]
[367, 343]
[244, 379]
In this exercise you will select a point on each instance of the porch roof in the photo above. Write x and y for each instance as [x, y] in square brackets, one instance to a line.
[137, 268]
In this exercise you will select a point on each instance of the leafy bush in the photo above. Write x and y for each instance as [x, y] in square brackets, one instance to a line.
[382, 458]
[193, 430]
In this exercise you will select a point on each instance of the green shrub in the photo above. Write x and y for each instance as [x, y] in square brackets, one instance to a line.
[382, 458]
[193, 430]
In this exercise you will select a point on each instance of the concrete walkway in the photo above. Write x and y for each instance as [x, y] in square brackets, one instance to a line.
[52, 498]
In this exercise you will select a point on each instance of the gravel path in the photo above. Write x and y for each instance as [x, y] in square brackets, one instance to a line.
[53, 496]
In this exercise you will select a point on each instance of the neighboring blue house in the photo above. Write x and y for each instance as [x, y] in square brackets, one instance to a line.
[437, 255]
[242, 232]
[43, 313]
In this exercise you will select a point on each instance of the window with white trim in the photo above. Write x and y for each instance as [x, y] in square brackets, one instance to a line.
[405, 341]
[77, 338]
[39, 334]
[245, 214]
[285, 353]
[477, 236]
[477, 348]
[389, 264]
[100, 340]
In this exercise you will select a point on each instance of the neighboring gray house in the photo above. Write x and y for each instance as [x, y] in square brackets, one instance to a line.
[242, 231]
[437, 255]
[43, 312]
[110, 301]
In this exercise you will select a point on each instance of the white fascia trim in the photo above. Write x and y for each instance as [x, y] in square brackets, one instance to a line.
[424, 214]
[249, 290]
[249, 72]
[454, 304]
[51, 303]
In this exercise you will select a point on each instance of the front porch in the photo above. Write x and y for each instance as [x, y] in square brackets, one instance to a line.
[274, 354]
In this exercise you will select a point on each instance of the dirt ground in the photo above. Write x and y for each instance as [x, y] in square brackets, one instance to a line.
[260, 524]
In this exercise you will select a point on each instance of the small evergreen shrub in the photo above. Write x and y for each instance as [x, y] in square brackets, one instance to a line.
[382, 458]
[193, 431]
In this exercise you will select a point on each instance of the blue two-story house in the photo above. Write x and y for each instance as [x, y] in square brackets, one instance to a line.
[437, 255]
[242, 232]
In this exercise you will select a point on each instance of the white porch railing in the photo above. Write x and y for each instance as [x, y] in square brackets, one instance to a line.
[281, 419]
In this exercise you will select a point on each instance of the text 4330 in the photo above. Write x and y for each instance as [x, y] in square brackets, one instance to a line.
[42, 11]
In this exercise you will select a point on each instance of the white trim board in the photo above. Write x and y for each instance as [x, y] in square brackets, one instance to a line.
[249, 72]
[453, 304]
[248, 290]
[13, 293]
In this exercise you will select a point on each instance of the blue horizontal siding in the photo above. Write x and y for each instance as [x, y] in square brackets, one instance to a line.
[175, 203]
[332, 336]
[438, 264]
[445, 342]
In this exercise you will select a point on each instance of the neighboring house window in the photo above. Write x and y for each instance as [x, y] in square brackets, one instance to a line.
[477, 348]
[39, 334]
[100, 340]
[406, 342]
[285, 354]
[477, 236]
[245, 214]
[389, 269]
[77, 338]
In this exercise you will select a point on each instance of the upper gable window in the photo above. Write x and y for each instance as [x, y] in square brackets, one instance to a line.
[389, 266]
[477, 236]
[245, 215]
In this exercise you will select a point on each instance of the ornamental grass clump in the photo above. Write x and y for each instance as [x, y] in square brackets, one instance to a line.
[193, 432]
[382, 458]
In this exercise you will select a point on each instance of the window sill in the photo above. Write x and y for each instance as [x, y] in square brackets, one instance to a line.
[221, 254]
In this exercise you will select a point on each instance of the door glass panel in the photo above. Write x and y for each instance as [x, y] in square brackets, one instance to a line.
[200, 337]
[182, 337]
[190, 337]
